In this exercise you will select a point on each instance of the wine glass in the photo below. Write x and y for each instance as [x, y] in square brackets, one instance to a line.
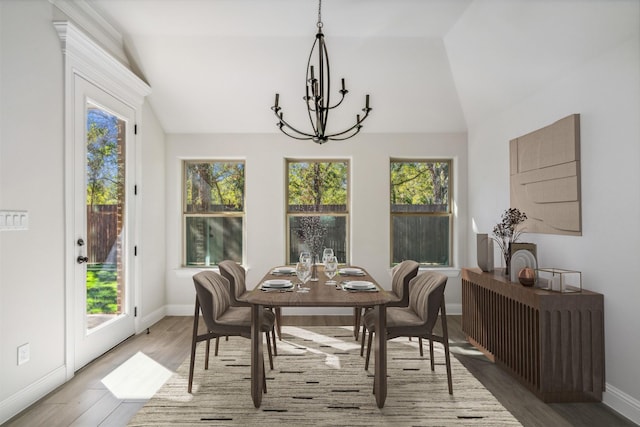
[328, 252]
[305, 256]
[330, 269]
[303, 271]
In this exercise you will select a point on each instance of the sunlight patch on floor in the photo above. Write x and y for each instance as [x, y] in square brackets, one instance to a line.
[139, 377]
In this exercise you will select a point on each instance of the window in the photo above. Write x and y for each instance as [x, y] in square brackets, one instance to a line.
[421, 215]
[317, 207]
[213, 212]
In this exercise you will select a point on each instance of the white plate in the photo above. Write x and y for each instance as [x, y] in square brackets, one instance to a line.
[519, 260]
[276, 283]
[350, 271]
[359, 285]
[284, 270]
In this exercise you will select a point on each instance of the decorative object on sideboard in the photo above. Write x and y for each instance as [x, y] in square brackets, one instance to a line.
[522, 255]
[527, 277]
[559, 280]
[484, 246]
[506, 232]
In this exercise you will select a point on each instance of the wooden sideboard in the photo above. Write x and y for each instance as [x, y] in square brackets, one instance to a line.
[552, 342]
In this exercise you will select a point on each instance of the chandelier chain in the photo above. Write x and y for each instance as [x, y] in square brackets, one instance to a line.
[319, 14]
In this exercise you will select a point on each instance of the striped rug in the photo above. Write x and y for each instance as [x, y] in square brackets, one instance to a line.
[319, 380]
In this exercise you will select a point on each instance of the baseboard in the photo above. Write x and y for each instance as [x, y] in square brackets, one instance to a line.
[26, 397]
[622, 403]
[179, 309]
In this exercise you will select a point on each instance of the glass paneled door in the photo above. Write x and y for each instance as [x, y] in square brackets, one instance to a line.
[103, 222]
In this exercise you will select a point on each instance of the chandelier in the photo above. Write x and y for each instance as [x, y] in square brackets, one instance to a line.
[317, 97]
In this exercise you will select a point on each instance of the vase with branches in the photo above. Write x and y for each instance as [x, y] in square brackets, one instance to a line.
[507, 232]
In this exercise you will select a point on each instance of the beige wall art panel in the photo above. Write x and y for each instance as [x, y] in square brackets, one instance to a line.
[545, 177]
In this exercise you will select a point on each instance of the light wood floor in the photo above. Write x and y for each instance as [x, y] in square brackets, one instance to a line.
[85, 401]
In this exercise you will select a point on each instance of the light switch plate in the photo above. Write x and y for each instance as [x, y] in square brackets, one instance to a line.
[14, 220]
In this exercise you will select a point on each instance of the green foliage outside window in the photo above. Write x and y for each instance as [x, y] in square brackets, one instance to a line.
[421, 214]
[213, 211]
[317, 208]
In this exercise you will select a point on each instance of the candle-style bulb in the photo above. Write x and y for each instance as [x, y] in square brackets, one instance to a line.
[277, 99]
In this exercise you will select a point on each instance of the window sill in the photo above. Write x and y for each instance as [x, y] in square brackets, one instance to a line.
[447, 271]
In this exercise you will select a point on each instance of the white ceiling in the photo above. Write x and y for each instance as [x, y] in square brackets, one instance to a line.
[429, 65]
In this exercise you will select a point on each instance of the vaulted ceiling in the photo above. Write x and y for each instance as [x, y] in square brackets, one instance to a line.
[430, 65]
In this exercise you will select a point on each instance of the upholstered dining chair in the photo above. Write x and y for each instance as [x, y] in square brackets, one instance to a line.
[236, 275]
[401, 275]
[426, 301]
[221, 319]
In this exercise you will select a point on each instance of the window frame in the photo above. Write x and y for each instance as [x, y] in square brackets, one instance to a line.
[449, 213]
[211, 214]
[289, 214]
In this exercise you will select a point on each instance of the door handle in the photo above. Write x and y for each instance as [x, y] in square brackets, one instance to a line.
[82, 259]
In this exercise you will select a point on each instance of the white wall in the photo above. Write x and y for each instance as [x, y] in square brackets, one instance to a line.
[605, 91]
[151, 247]
[265, 156]
[31, 178]
[32, 280]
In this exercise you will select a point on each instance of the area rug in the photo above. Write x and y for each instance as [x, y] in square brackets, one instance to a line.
[319, 380]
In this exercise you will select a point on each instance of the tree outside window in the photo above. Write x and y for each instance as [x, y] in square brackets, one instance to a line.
[317, 207]
[213, 212]
[421, 215]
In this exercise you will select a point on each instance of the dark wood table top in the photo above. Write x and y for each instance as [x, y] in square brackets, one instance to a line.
[320, 294]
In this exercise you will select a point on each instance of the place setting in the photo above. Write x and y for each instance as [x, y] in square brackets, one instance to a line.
[351, 271]
[284, 271]
[277, 285]
[358, 286]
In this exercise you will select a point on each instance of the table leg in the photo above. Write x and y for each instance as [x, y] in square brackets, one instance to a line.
[380, 347]
[257, 364]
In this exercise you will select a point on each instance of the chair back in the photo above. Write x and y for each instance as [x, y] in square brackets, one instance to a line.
[401, 275]
[236, 275]
[426, 296]
[213, 296]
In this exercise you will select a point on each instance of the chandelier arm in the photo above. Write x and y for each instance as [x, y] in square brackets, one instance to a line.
[282, 122]
[323, 59]
[310, 82]
[356, 125]
[343, 93]
[305, 138]
[333, 137]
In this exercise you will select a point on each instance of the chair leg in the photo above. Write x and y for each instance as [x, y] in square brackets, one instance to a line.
[445, 342]
[420, 345]
[215, 353]
[264, 379]
[206, 353]
[364, 332]
[366, 362]
[269, 349]
[273, 341]
[356, 322]
[278, 323]
[193, 344]
[433, 362]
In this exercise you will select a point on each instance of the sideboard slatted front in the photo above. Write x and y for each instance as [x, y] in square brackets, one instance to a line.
[552, 342]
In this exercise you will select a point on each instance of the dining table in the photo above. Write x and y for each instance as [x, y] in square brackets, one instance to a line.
[319, 294]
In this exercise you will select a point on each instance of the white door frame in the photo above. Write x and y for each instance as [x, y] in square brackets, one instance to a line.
[85, 58]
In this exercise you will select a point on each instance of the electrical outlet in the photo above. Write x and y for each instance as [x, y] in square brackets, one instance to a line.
[23, 354]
